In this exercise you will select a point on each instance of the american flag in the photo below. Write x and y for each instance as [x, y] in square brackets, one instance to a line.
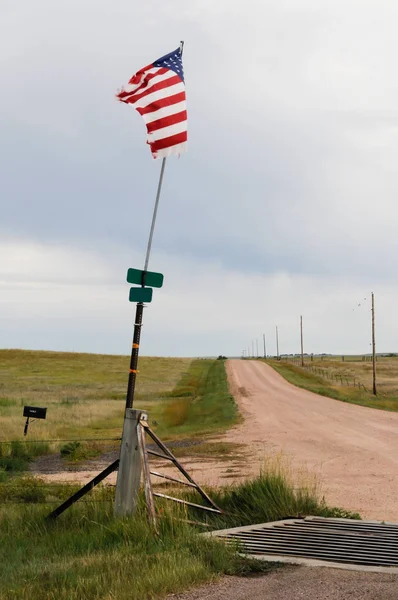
[157, 92]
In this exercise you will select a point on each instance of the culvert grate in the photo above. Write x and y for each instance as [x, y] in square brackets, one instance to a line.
[341, 543]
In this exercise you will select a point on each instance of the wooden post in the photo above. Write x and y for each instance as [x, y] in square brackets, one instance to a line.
[150, 506]
[277, 343]
[302, 346]
[129, 474]
[374, 345]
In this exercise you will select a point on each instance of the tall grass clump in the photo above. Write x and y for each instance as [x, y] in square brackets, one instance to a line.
[15, 456]
[88, 553]
[277, 493]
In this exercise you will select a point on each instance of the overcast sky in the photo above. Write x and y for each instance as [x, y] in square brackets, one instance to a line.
[285, 204]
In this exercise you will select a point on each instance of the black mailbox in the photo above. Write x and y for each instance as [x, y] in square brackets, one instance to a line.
[34, 412]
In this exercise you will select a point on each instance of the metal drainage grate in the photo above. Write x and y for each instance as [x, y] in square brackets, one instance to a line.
[342, 543]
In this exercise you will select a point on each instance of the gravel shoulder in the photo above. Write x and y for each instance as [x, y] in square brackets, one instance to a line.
[300, 583]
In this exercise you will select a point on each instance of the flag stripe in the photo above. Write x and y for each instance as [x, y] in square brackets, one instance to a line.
[134, 94]
[165, 82]
[165, 111]
[162, 103]
[154, 74]
[159, 95]
[167, 121]
[167, 132]
[165, 152]
[170, 141]
[137, 80]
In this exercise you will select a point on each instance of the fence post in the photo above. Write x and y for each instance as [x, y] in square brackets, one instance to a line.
[129, 474]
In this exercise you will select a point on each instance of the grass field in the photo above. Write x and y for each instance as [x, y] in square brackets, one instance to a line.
[84, 393]
[360, 371]
[85, 397]
[89, 554]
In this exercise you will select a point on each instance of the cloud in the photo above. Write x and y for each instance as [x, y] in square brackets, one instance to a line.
[52, 298]
[290, 174]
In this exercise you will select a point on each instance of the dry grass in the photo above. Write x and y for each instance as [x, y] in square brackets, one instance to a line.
[324, 379]
[176, 412]
[386, 372]
[84, 393]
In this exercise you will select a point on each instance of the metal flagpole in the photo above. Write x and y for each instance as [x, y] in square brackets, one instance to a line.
[140, 306]
[129, 473]
[129, 465]
[155, 212]
[373, 345]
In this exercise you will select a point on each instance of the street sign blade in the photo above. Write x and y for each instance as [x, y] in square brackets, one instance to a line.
[151, 279]
[141, 294]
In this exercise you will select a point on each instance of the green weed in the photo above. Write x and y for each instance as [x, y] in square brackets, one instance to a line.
[5, 402]
[15, 456]
[80, 451]
[201, 402]
[88, 553]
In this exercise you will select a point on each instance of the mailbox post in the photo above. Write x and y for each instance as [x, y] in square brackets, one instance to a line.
[33, 412]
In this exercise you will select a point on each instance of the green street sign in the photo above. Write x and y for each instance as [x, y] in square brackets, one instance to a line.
[151, 279]
[140, 294]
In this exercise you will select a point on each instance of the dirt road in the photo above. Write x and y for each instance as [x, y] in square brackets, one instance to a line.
[353, 449]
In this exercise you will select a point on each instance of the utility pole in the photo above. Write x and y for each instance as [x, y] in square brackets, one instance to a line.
[302, 346]
[252, 348]
[265, 349]
[277, 343]
[374, 345]
[257, 346]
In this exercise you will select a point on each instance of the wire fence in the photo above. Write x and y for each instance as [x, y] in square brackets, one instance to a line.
[50, 502]
[24, 441]
[342, 378]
